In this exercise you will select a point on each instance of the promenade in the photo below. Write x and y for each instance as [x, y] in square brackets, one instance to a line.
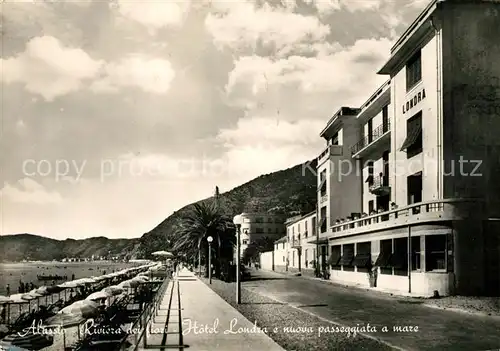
[191, 315]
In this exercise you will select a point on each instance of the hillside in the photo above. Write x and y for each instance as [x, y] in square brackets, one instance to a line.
[288, 191]
[33, 247]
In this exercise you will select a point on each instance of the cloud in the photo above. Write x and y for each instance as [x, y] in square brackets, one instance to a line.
[156, 14]
[29, 191]
[346, 76]
[243, 26]
[48, 68]
[152, 75]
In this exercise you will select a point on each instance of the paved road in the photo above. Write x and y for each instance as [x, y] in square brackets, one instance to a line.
[437, 329]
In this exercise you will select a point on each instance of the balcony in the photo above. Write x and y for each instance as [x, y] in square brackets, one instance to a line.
[368, 143]
[420, 213]
[331, 150]
[295, 243]
[380, 186]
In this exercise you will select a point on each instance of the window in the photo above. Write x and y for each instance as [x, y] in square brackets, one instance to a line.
[293, 258]
[298, 227]
[413, 70]
[385, 119]
[259, 230]
[384, 257]
[245, 242]
[269, 230]
[305, 257]
[369, 169]
[385, 175]
[334, 259]
[314, 226]
[277, 230]
[399, 258]
[435, 252]
[323, 219]
[415, 253]
[347, 257]
[413, 142]
[371, 207]
[370, 130]
[293, 230]
[322, 180]
[270, 220]
[414, 186]
[335, 139]
[363, 256]
[283, 246]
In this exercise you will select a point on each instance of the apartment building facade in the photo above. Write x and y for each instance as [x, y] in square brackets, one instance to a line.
[257, 226]
[404, 216]
[298, 253]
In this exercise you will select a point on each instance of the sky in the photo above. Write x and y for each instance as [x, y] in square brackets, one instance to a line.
[117, 113]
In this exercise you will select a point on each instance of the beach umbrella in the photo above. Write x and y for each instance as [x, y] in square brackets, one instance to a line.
[35, 294]
[98, 295]
[129, 284]
[43, 290]
[4, 300]
[71, 284]
[83, 308]
[64, 320]
[113, 290]
[21, 298]
[29, 341]
[141, 277]
[163, 253]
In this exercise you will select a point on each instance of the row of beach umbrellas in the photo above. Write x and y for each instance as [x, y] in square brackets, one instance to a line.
[48, 290]
[76, 313]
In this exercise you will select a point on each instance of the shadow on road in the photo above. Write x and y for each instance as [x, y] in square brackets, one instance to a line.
[262, 303]
[253, 279]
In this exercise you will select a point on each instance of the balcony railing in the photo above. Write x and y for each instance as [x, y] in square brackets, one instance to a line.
[431, 210]
[331, 150]
[380, 186]
[370, 138]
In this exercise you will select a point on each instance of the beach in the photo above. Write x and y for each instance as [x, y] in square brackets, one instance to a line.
[12, 273]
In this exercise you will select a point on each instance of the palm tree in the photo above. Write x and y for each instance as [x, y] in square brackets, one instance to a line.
[197, 225]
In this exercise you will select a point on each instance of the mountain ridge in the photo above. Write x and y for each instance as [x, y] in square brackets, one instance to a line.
[290, 191]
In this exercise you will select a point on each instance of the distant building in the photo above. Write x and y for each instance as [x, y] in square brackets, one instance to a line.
[260, 225]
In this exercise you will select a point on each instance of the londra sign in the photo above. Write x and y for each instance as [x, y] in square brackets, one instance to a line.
[414, 101]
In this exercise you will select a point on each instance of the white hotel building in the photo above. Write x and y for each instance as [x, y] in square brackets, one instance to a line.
[403, 219]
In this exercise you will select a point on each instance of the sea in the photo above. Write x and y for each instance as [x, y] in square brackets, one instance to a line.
[26, 272]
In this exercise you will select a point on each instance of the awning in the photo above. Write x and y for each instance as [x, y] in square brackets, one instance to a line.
[413, 133]
[334, 259]
[383, 259]
[347, 259]
[362, 260]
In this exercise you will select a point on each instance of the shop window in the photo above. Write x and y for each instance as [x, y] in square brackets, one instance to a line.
[363, 258]
[435, 252]
[399, 260]
[334, 259]
[347, 257]
[415, 253]
[384, 257]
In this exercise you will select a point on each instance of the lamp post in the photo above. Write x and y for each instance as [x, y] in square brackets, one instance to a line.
[210, 239]
[238, 220]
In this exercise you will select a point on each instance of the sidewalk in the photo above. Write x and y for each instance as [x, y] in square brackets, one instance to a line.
[193, 316]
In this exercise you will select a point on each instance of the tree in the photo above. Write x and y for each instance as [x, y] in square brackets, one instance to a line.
[256, 247]
[202, 221]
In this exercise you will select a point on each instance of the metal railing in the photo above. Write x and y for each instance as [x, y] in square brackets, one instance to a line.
[372, 137]
[138, 330]
[379, 182]
[407, 211]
